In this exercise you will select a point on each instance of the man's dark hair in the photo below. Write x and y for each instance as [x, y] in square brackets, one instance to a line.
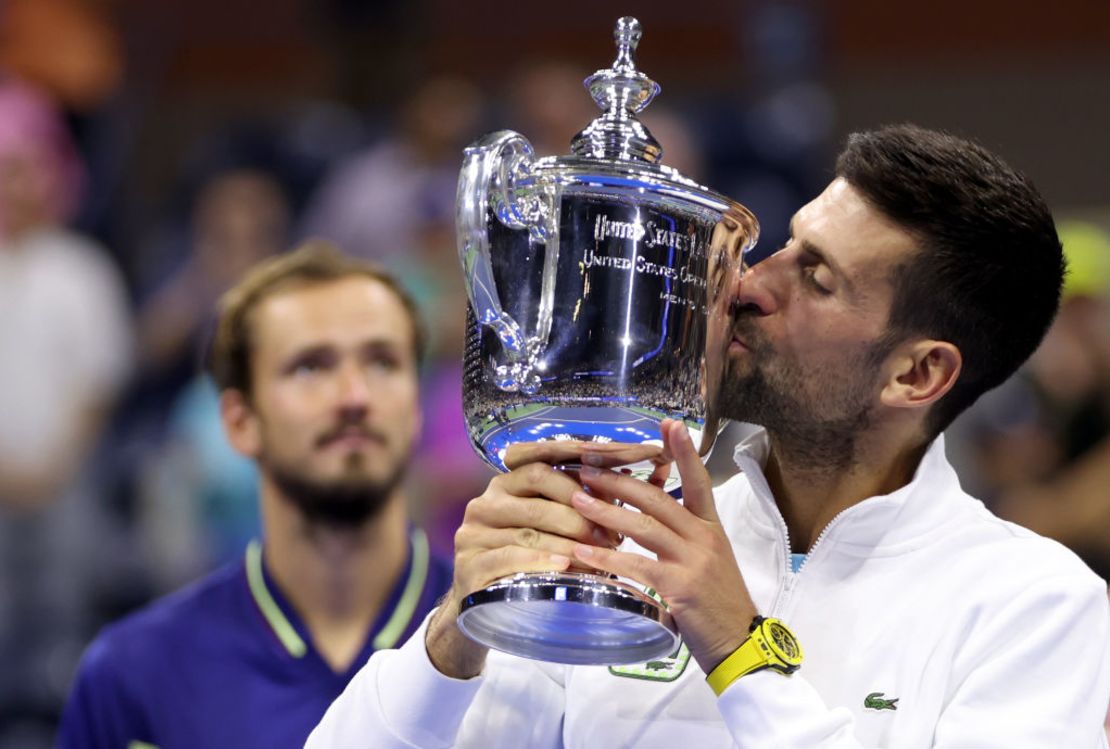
[989, 266]
[316, 261]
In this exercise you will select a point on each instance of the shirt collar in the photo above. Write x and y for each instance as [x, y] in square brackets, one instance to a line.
[390, 624]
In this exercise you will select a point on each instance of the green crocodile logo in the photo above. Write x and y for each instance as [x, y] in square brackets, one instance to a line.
[875, 701]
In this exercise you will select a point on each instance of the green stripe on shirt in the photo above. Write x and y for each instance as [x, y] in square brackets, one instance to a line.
[406, 607]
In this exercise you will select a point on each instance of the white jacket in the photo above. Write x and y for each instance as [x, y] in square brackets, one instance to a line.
[985, 634]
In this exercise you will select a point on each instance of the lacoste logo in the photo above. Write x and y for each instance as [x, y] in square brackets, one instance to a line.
[875, 701]
[662, 669]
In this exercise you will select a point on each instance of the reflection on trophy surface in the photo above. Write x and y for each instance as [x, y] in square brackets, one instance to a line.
[598, 285]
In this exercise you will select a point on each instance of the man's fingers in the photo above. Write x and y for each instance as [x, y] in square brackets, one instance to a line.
[697, 487]
[605, 454]
[493, 564]
[644, 529]
[511, 512]
[660, 474]
[530, 538]
[536, 480]
[630, 565]
[648, 499]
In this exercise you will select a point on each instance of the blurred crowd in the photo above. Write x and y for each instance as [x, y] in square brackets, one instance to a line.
[115, 482]
[1037, 449]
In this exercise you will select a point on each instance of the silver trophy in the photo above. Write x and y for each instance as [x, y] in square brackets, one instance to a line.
[595, 312]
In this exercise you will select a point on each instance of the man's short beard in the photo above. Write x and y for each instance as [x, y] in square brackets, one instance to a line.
[821, 442]
[819, 433]
[340, 503]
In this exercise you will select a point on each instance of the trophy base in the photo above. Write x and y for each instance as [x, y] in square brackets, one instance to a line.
[569, 617]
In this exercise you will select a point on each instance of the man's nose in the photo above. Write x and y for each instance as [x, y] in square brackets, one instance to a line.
[354, 390]
[754, 289]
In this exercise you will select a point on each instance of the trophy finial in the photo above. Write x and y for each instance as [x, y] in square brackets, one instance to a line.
[627, 33]
[621, 91]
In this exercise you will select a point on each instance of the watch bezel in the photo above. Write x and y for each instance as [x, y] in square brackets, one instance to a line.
[773, 634]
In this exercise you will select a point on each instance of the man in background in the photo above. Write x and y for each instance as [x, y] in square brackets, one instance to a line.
[316, 359]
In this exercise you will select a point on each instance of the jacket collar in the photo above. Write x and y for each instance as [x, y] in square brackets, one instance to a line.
[889, 523]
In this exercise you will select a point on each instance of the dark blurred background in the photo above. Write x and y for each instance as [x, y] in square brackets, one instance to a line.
[151, 151]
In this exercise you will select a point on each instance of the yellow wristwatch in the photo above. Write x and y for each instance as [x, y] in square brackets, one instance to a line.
[770, 645]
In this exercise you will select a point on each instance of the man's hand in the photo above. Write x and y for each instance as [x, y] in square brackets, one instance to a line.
[510, 529]
[696, 572]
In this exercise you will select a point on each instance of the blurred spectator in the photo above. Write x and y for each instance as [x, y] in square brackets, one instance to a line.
[1038, 447]
[234, 204]
[548, 105]
[376, 203]
[73, 50]
[240, 217]
[65, 351]
[67, 47]
[195, 496]
[1048, 465]
[681, 149]
[1072, 368]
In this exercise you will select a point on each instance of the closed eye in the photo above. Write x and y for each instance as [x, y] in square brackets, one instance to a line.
[809, 273]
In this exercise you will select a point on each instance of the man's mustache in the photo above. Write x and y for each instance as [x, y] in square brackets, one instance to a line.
[745, 329]
[350, 429]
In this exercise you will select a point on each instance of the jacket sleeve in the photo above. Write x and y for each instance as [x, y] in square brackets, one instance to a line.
[399, 699]
[1033, 671]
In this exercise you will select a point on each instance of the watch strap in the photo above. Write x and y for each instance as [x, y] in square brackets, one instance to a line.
[746, 659]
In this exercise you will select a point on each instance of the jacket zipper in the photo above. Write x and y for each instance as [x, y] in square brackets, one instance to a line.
[790, 579]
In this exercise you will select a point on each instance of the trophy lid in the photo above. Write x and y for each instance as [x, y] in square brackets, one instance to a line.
[622, 91]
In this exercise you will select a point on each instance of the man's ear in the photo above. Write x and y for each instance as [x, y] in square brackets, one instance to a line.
[240, 423]
[919, 372]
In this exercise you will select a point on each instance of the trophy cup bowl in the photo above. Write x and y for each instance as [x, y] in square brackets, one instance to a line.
[596, 309]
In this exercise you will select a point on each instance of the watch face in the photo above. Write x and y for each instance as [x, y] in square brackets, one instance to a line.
[784, 642]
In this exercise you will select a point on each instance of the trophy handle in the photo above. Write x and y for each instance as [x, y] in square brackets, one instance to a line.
[497, 171]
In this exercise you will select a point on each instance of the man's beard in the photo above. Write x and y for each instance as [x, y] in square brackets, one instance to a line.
[345, 502]
[819, 432]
